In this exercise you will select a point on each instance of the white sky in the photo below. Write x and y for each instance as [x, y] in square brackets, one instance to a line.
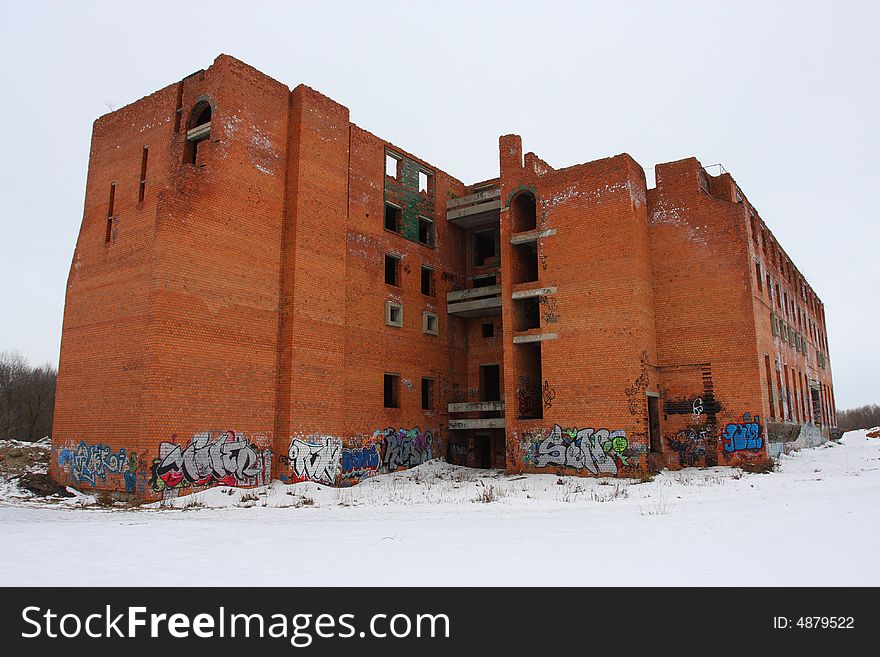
[784, 94]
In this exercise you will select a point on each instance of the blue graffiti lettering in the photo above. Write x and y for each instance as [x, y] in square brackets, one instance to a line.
[743, 435]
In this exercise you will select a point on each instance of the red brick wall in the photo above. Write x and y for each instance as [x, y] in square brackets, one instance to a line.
[602, 364]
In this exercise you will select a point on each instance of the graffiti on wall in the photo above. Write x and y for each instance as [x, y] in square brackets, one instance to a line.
[315, 460]
[690, 445]
[359, 463]
[230, 460]
[548, 393]
[529, 396]
[404, 448]
[745, 435]
[551, 309]
[599, 451]
[634, 394]
[135, 473]
[90, 463]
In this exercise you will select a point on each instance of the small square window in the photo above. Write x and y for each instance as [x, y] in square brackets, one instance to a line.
[392, 391]
[393, 314]
[391, 165]
[393, 217]
[489, 330]
[426, 231]
[430, 324]
[392, 270]
[427, 281]
[424, 181]
[428, 394]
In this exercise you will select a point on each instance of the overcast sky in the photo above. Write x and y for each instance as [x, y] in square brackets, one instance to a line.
[784, 95]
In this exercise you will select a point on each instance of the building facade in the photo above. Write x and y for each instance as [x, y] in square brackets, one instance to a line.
[263, 290]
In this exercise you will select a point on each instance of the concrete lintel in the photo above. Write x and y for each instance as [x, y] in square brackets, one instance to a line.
[537, 292]
[479, 304]
[531, 236]
[470, 199]
[534, 337]
[199, 133]
[474, 292]
[483, 423]
[479, 208]
[467, 407]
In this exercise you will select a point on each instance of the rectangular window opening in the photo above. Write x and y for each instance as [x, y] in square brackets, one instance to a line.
[430, 323]
[426, 231]
[428, 281]
[109, 232]
[392, 270]
[769, 375]
[393, 218]
[486, 247]
[393, 314]
[391, 163]
[392, 391]
[654, 424]
[526, 314]
[428, 394]
[425, 181]
[142, 186]
[489, 330]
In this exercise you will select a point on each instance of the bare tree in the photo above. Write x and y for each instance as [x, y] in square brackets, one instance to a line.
[863, 417]
[27, 398]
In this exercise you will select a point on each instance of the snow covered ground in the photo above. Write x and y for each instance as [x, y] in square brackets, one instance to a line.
[816, 521]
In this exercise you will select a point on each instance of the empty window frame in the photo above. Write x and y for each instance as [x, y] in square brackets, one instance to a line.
[430, 323]
[428, 281]
[393, 218]
[199, 130]
[769, 376]
[142, 185]
[426, 231]
[392, 270]
[393, 314]
[758, 276]
[392, 390]
[486, 247]
[427, 394]
[391, 165]
[108, 234]
[488, 330]
[426, 182]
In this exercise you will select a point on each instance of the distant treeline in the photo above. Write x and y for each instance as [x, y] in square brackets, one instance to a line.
[863, 417]
[27, 398]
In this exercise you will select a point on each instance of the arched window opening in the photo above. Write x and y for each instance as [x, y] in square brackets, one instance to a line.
[199, 129]
[523, 213]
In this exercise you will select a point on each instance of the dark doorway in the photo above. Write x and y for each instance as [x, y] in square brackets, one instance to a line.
[490, 383]
[654, 423]
[482, 451]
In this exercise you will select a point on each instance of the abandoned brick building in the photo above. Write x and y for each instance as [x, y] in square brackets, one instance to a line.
[263, 290]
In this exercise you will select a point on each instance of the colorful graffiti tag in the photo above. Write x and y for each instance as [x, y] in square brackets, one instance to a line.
[404, 448]
[135, 473]
[599, 451]
[359, 463]
[230, 460]
[315, 460]
[90, 463]
[745, 435]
